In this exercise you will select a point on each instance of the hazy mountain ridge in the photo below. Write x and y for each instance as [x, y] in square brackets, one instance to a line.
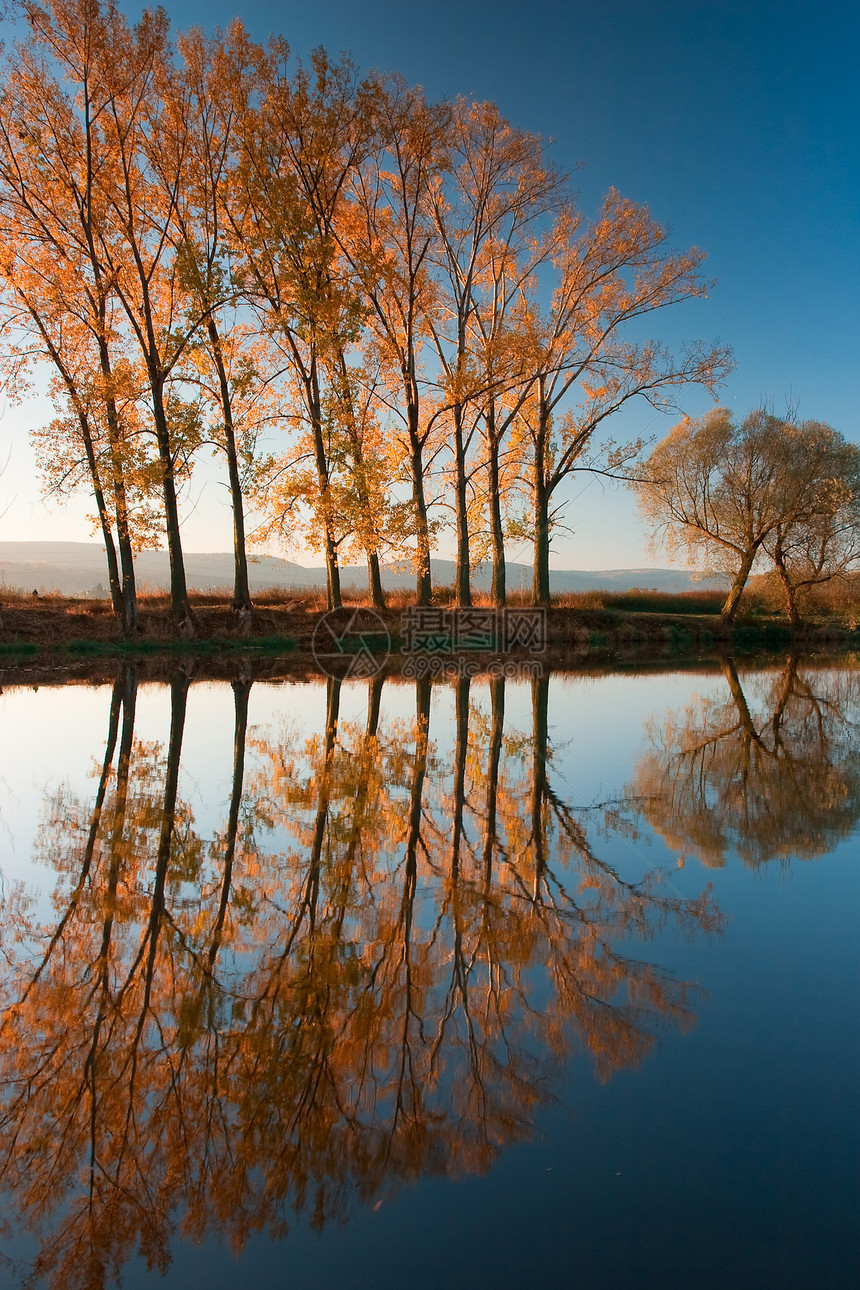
[80, 569]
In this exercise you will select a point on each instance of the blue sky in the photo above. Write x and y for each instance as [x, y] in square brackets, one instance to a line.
[736, 122]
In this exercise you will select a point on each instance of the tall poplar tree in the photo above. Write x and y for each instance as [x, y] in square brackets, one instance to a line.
[388, 243]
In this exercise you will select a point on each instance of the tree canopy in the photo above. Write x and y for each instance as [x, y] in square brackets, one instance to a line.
[733, 496]
[386, 315]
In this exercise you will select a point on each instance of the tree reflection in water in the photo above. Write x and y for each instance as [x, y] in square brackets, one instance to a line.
[768, 769]
[372, 973]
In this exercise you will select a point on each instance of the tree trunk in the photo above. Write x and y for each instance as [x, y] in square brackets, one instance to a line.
[179, 602]
[374, 581]
[241, 692]
[497, 703]
[789, 589]
[178, 706]
[334, 599]
[423, 692]
[116, 851]
[128, 684]
[540, 750]
[314, 406]
[312, 886]
[732, 599]
[122, 588]
[374, 702]
[130, 612]
[540, 583]
[104, 523]
[424, 586]
[786, 689]
[498, 588]
[140, 314]
[377, 599]
[332, 571]
[128, 616]
[126, 743]
[730, 672]
[458, 793]
[241, 587]
[462, 583]
[128, 609]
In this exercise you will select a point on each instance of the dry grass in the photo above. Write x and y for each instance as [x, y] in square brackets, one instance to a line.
[599, 623]
[837, 601]
[639, 601]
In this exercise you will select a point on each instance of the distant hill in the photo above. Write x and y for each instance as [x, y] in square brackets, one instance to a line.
[80, 569]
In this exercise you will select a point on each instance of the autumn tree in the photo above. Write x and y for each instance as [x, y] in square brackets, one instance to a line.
[818, 539]
[503, 349]
[149, 133]
[387, 240]
[731, 494]
[222, 360]
[93, 442]
[608, 273]
[53, 159]
[301, 138]
[376, 520]
[487, 205]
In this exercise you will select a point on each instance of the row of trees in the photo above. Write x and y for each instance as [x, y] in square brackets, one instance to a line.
[211, 244]
[739, 496]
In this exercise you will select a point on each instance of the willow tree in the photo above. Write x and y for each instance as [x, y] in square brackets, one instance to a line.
[818, 540]
[730, 494]
[765, 768]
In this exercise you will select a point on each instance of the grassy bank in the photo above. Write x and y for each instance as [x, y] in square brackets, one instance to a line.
[597, 625]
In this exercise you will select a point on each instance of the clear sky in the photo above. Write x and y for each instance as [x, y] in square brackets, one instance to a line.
[737, 123]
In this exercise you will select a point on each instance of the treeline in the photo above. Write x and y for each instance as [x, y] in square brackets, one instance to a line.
[216, 246]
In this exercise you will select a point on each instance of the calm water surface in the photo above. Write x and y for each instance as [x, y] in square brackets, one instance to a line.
[380, 983]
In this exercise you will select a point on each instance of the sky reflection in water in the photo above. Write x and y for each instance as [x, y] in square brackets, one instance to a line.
[282, 950]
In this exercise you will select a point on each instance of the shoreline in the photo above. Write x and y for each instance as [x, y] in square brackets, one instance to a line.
[70, 639]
